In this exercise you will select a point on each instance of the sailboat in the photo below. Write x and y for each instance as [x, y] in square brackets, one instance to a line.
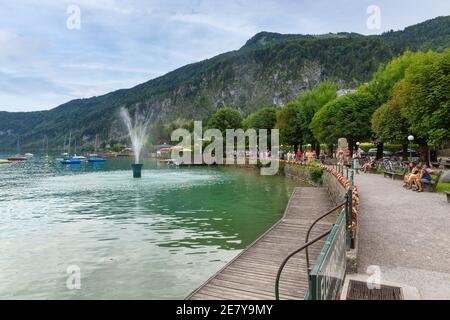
[17, 157]
[81, 158]
[45, 143]
[68, 159]
[94, 157]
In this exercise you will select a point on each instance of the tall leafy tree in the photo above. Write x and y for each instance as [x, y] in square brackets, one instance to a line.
[225, 118]
[289, 126]
[387, 76]
[426, 93]
[383, 82]
[264, 118]
[389, 124]
[348, 116]
[309, 103]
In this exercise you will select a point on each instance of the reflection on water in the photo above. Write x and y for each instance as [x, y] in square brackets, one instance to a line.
[154, 238]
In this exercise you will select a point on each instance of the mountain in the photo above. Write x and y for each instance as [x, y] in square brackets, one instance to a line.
[271, 68]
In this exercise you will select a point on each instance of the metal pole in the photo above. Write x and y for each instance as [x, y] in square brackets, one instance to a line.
[350, 200]
[347, 219]
[280, 270]
[410, 151]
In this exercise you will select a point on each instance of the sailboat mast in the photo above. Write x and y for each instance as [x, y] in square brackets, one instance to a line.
[70, 136]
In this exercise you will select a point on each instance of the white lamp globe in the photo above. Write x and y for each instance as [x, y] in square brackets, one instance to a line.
[411, 138]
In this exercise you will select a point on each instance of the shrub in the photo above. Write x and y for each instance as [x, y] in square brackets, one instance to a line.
[315, 174]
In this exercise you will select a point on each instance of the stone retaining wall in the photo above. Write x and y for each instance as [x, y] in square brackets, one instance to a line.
[336, 190]
[297, 171]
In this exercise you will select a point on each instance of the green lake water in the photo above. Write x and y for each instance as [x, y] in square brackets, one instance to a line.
[158, 237]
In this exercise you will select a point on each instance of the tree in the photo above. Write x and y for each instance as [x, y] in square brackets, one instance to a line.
[384, 80]
[348, 116]
[426, 99]
[288, 124]
[389, 124]
[225, 118]
[309, 103]
[265, 118]
[427, 88]
[323, 123]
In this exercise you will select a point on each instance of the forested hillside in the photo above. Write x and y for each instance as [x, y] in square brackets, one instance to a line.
[270, 69]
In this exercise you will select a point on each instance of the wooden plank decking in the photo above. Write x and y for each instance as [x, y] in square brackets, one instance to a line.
[251, 275]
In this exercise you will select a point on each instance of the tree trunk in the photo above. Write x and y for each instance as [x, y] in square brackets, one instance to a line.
[317, 148]
[351, 146]
[330, 150]
[405, 151]
[380, 149]
[423, 148]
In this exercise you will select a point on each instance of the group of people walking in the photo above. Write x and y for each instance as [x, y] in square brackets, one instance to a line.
[306, 156]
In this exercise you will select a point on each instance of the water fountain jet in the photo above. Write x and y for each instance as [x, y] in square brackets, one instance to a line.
[137, 130]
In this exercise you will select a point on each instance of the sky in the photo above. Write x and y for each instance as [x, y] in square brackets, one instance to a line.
[54, 51]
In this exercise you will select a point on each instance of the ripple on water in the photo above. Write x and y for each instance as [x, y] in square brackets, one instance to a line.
[156, 237]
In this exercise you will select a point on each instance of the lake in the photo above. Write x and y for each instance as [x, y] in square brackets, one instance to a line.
[158, 237]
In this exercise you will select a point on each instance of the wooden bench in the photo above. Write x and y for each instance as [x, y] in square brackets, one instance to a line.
[372, 170]
[447, 165]
[434, 183]
[393, 175]
[436, 165]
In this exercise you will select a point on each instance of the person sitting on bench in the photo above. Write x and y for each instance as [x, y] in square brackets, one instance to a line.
[410, 178]
[423, 178]
[371, 164]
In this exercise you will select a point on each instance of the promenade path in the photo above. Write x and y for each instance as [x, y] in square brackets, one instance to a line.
[251, 275]
[406, 233]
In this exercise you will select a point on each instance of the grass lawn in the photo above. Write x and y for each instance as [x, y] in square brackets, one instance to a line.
[442, 187]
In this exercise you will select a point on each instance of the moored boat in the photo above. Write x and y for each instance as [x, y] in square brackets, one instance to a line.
[17, 158]
[82, 158]
[71, 161]
[96, 158]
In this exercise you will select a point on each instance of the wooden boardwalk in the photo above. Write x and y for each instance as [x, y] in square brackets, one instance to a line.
[251, 275]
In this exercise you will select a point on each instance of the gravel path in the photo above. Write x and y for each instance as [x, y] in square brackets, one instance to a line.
[406, 233]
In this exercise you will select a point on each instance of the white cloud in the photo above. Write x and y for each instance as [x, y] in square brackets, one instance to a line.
[114, 68]
[214, 22]
[13, 46]
[124, 42]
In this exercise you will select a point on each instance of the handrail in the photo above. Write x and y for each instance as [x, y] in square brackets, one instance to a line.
[280, 270]
[312, 226]
[348, 210]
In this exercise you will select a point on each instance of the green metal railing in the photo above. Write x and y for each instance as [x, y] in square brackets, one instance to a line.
[280, 270]
[348, 215]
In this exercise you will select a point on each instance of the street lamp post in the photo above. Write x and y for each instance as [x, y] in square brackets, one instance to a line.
[410, 139]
